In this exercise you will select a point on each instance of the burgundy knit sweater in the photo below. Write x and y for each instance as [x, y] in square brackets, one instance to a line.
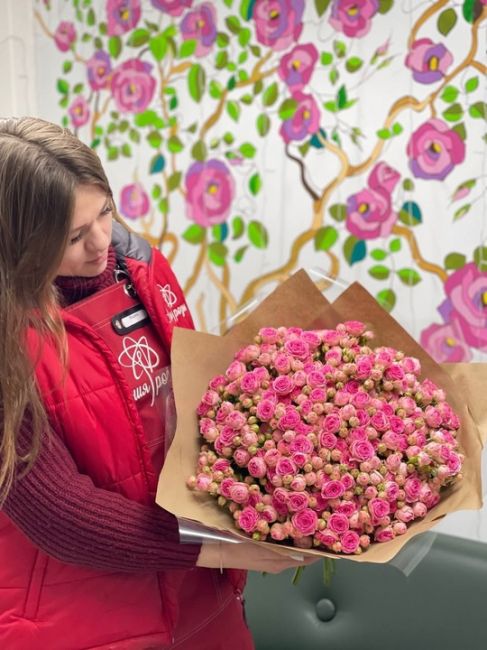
[64, 514]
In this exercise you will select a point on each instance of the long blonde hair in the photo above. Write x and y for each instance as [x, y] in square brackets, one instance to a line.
[41, 164]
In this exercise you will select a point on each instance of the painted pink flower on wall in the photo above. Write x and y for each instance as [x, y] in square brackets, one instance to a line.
[353, 17]
[304, 122]
[98, 70]
[466, 301]
[278, 23]
[122, 16]
[296, 67]
[134, 201]
[65, 35]
[428, 61]
[172, 7]
[434, 149]
[210, 189]
[79, 111]
[200, 25]
[445, 343]
[133, 86]
[369, 212]
[383, 178]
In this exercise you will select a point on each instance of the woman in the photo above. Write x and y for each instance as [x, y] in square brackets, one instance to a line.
[87, 560]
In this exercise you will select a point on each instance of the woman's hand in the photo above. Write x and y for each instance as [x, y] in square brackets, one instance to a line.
[249, 556]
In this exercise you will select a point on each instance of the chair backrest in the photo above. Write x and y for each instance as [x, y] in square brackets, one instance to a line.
[441, 604]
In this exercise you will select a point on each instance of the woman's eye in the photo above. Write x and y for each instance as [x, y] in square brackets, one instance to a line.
[75, 239]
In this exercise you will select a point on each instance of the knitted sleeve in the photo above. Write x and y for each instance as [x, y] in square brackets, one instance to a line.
[64, 514]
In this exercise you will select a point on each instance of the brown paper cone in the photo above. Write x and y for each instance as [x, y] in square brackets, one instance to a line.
[197, 357]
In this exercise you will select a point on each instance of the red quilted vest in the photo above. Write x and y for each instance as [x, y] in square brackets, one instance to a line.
[48, 605]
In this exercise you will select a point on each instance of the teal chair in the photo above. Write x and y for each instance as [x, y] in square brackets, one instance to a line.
[440, 605]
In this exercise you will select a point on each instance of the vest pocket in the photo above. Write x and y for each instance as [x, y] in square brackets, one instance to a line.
[34, 588]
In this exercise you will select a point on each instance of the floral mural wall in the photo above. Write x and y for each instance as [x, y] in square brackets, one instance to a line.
[249, 138]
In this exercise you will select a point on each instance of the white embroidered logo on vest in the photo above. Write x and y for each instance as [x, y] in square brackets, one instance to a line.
[170, 299]
[142, 359]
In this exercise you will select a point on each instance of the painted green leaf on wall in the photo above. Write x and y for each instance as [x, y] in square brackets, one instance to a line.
[354, 250]
[217, 253]
[257, 234]
[325, 238]
[386, 299]
[480, 258]
[321, 6]
[408, 276]
[379, 272]
[454, 261]
[447, 21]
[196, 81]
[410, 213]
[238, 227]
[246, 9]
[255, 183]
[195, 234]
[157, 164]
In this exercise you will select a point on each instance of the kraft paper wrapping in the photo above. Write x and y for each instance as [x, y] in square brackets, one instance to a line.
[196, 357]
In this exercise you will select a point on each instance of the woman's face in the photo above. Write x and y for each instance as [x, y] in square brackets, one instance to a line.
[90, 234]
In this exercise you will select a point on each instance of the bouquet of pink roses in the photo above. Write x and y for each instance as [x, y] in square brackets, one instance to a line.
[316, 438]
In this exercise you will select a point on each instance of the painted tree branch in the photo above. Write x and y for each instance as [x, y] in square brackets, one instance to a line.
[408, 235]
